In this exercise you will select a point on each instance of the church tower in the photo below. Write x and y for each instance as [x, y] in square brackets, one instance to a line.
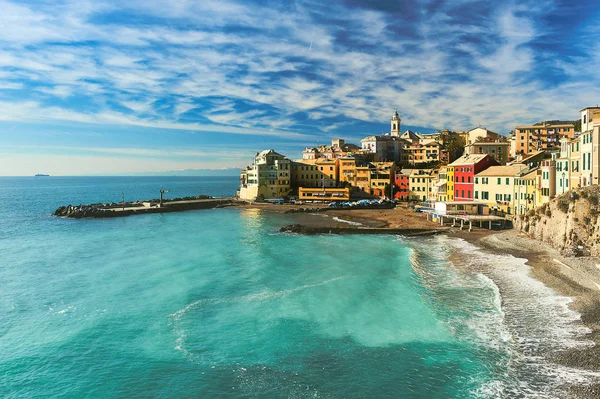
[395, 125]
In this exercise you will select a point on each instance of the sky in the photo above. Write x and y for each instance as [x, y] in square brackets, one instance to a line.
[117, 87]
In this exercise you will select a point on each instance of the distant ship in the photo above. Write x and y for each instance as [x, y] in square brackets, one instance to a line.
[41, 175]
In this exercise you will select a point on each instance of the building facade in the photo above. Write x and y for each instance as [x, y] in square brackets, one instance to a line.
[543, 137]
[495, 186]
[499, 150]
[465, 169]
[268, 177]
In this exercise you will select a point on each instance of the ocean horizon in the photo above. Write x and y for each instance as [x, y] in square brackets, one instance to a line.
[219, 304]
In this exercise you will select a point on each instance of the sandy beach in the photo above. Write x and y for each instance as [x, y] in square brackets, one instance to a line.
[578, 278]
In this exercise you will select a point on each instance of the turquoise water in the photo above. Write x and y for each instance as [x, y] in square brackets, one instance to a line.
[218, 304]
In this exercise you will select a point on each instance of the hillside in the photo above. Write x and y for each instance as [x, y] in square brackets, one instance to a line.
[568, 223]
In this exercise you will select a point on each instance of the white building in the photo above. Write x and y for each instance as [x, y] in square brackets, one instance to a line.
[268, 177]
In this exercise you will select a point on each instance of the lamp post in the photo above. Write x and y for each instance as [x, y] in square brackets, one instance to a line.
[161, 196]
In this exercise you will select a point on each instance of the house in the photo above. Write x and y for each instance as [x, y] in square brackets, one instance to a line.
[401, 184]
[541, 137]
[464, 170]
[268, 177]
[495, 186]
[499, 150]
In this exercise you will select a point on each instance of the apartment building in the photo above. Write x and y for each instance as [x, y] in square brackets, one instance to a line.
[527, 184]
[268, 177]
[499, 150]
[402, 185]
[542, 137]
[320, 172]
[421, 184]
[495, 186]
[465, 168]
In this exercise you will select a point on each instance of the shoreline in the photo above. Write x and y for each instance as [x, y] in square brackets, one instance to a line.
[576, 278]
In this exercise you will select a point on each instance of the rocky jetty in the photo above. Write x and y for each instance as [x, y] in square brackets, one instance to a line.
[108, 210]
[408, 232]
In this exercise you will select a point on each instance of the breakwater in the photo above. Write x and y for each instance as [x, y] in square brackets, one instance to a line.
[408, 232]
[141, 207]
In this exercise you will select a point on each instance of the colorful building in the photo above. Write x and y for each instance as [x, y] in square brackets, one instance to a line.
[542, 137]
[499, 150]
[401, 184]
[321, 172]
[268, 177]
[548, 183]
[421, 184]
[440, 186]
[450, 183]
[465, 168]
[526, 190]
[495, 186]
[381, 178]
[326, 194]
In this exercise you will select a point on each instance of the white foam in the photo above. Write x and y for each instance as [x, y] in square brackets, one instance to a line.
[337, 219]
[530, 323]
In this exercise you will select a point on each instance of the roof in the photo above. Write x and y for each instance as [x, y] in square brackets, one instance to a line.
[470, 159]
[410, 134]
[504, 170]
[268, 152]
[532, 155]
[596, 107]
[549, 126]
[463, 203]
[494, 143]
[379, 138]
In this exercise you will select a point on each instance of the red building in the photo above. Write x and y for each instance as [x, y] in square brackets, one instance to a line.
[465, 169]
[401, 189]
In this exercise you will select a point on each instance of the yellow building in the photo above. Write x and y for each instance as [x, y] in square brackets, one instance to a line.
[381, 176]
[420, 183]
[575, 161]
[500, 151]
[527, 187]
[347, 170]
[268, 177]
[326, 194]
[363, 178]
[450, 183]
[315, 173]
[440, 185]
[495, 186]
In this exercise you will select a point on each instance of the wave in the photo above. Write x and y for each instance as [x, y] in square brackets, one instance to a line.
[499, 307]
[337, 219]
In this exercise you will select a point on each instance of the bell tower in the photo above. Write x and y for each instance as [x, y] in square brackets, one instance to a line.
[395, 125]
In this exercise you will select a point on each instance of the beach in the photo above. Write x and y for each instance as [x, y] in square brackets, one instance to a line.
[577, 278]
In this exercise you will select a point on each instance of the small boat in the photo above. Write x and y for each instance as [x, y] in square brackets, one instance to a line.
[41, 175]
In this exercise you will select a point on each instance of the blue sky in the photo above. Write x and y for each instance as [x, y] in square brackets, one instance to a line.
[95, 87]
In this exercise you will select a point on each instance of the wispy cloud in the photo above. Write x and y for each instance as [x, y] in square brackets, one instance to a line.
[297, 71]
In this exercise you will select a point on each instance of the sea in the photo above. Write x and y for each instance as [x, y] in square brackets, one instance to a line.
[219, 304]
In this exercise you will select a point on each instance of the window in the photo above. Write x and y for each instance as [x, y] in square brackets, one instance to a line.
[476, 182]
[463, 179]
[507, 181]
[463, 193]
[456, 193]
[476, 194]
[499, 180]
[469, 194]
